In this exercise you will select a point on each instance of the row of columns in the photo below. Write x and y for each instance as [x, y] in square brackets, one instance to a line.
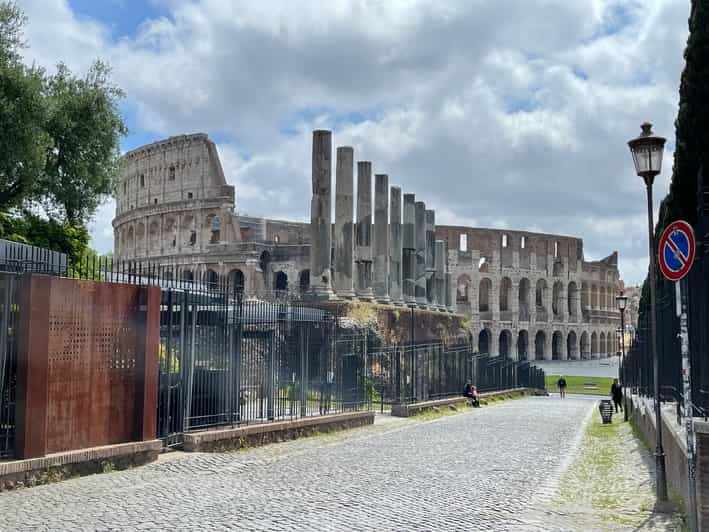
[386, 261]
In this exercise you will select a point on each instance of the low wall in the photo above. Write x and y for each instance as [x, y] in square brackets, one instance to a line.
[674, 445]
[411, 409]
[51, 468]
[254, 435]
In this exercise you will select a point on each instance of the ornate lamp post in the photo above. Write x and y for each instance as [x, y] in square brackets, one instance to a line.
[647, 152]
[622, 302]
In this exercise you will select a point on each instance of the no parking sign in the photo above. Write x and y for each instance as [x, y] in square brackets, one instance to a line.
[676, 250]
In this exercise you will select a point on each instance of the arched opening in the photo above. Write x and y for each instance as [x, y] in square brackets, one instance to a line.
[572, 346]
[523, 345]
[557, 346]
[585, 346]
[505, 295]
[524, 299]
[505, 343]
[484, 342]
[188, 232]
[539, 345]
[557, 301]
[558, 268]
[280, 281]
[304, 281]
[484, 295]
[187, 275]
[594, 345]
[211, 278]
[237, 281]
[463, 292]
[572, 300]
[540, 297]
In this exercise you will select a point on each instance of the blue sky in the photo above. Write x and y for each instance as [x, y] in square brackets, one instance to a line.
[504, 114]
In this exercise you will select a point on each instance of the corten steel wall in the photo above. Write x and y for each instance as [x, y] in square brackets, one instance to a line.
[87, 364]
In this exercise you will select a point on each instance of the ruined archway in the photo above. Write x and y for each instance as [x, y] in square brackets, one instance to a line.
[505, 345]
[539, 345]
[572, 346]
[557, 346]
[523, 297]
[280, 281]
[484, 342]
[585, 346]
[484, 295]
[523, 345]
[237, 280]
[304, 281]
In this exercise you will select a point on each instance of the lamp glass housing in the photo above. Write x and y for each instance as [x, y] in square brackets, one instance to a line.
[621, 302]
[647, 150]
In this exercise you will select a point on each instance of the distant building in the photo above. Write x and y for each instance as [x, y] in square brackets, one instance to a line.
[529, 295]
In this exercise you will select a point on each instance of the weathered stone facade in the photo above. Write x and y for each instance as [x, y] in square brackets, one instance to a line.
[528, 295]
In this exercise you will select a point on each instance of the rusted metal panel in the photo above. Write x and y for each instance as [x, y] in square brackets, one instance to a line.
[31, 394]
[99, 346]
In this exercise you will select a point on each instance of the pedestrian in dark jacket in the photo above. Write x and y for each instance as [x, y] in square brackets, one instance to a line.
[617, 395]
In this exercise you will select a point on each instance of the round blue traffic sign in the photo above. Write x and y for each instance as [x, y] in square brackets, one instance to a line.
[676, 250]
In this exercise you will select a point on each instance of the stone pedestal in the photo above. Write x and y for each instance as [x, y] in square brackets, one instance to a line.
[409, 249]
[395, 246]
[380, 282]
[420, 223]
[363, 250]
[344, 227]
[320, 217]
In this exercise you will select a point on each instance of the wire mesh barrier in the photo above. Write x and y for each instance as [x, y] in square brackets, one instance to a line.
[229, 358]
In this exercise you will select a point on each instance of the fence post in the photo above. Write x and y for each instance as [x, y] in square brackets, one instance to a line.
[304, 341]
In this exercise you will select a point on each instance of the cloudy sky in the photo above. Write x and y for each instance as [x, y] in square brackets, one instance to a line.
[498, 113]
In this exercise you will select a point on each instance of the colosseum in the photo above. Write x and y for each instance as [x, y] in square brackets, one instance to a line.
[527, 295]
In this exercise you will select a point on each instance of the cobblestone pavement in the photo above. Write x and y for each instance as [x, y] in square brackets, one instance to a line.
[485, 469]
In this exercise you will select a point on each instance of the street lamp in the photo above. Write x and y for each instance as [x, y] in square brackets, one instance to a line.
[647, 152]
[622, 302]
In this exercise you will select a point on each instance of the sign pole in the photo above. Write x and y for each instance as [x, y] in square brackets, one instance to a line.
[681, 298]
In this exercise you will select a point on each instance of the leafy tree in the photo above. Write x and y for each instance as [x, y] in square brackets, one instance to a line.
[59, 145]
[85, 128]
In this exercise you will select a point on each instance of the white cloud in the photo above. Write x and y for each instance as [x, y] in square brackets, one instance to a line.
[512, 113]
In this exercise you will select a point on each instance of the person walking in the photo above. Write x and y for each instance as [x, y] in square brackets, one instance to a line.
[617, 395]
[561, 383]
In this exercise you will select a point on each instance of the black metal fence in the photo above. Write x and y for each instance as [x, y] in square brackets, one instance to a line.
[638, 367]
[227, 358]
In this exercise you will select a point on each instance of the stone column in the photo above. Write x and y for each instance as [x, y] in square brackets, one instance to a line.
[344, 229]
[395, 246]
[440, 275]
[364, 231]
[430, 258]
[409, 249]
[380, 282]
[549, 339]
[320, 217]
[420, 222]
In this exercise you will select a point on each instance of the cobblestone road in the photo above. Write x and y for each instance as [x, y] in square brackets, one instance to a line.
[484, 469]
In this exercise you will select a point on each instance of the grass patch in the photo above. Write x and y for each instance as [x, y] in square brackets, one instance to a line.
[584, 385]
[443, 411]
